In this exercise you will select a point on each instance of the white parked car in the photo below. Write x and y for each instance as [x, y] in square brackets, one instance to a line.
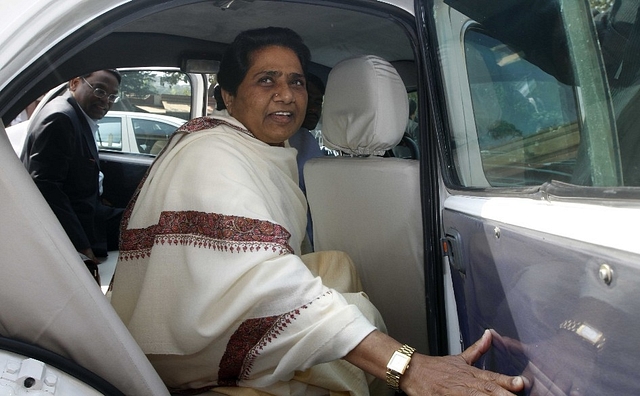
[521, 214]
[119, 131]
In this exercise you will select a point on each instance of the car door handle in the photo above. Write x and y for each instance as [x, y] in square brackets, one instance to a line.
[452, 249]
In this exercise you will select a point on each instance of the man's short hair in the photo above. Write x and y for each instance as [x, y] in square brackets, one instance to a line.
[115, 73]
[112, 71]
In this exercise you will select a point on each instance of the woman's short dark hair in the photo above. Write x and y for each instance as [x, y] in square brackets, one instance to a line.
[236, 60]
[217, 95]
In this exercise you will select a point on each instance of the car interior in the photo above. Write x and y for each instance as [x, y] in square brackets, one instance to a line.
[188, 34]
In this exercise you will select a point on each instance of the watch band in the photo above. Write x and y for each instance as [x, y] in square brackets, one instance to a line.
[398, 364]
[585, 331]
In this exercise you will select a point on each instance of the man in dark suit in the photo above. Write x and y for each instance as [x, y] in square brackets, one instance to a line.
[61, 156]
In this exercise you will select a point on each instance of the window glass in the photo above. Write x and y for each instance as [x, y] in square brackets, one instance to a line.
[109, 136]
[152, 135]
[526, 120]
[539, 104]
[155, 92]
[153, 105]
[409, 145]
[618, 26]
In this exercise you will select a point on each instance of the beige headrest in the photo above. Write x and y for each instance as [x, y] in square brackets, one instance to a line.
[366, 108]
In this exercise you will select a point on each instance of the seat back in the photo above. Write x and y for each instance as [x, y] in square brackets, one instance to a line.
[366, 205]
[49, 299]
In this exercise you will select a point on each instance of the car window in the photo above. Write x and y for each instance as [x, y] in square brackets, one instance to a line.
[409, 145]
[164, 97]
[559, 108]
[109, 136]
[526, 120]
[618, 26]
[151, 135]
[155, 92]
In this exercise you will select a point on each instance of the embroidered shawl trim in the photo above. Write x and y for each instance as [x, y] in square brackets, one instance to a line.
[232, 234]
[192, 126]
[199, 229]
[245, 345]
[248, 341]
[204, 123]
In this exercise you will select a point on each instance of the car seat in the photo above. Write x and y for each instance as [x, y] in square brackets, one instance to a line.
[366, 205]
[51, 305]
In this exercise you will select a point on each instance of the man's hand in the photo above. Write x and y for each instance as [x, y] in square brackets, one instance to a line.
[91, 261]
[88, 255]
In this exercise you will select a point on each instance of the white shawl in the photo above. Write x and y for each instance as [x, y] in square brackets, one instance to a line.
[209, 278]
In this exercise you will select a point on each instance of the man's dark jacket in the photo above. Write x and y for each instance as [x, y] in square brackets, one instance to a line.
[61, 156]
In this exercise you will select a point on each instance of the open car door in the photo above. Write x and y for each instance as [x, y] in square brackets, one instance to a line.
[534, 109]
[58, 332]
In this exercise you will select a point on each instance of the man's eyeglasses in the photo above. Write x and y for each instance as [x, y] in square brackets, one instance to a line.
[101, 93]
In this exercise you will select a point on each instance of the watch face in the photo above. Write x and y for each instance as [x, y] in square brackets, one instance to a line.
[398, 362]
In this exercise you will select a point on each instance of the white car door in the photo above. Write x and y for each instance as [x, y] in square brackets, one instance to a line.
[63, 320]
[539, 194]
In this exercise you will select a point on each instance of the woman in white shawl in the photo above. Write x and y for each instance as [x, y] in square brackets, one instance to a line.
[210, 280]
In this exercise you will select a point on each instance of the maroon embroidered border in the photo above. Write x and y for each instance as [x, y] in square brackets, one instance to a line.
[203, 123]
[246, 343]
[192, 126]
[244, 346]
[205, 230]
[199, 124]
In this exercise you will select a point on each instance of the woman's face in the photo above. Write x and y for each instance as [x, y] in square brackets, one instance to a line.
[272, 99]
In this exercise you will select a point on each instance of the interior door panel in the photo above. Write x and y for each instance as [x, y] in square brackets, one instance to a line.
[122, 174]
[526, 285]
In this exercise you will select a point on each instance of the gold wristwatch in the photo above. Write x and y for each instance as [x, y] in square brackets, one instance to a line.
[398, 364]
[587, 332]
